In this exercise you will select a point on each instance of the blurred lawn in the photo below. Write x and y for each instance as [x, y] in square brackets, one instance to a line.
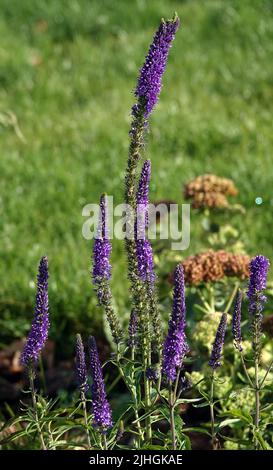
[68, 69]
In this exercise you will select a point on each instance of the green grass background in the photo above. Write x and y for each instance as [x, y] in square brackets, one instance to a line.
[68, 69]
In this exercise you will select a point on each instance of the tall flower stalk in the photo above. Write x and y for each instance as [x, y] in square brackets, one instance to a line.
[175, 346]
[145, 262]
[257, 284]
[102, 271]
[214, 363]
[147, 92]
[82, 381]
[146, 278]
[37, 337]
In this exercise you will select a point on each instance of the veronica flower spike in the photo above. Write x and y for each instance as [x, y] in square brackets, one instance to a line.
[102, 271]
[175, 346]
[82, 382]
[150, 77]
[37, 338]
[81, 365]
[236, 322]
[102, 251]
[102, 416]
[258, 268]
[144, 250]
[216, 353]
[40, 324]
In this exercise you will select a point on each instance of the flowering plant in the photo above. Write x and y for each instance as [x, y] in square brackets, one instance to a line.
[156, 367]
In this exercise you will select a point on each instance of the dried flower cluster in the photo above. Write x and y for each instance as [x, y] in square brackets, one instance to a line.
[210, 191]
[212, 266]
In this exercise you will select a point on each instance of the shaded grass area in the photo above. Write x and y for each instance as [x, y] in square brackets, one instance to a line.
[67, 72]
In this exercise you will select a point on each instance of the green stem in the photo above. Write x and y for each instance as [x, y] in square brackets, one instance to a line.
[83, 400]
[234, 292]
[147, 395]
[266, 374]
[214, 439]
[104, 440]
[256, 344]
[172, 420]
[257, 401]
[42, 372]
[34, 404]
[245, 371]
[132, 390]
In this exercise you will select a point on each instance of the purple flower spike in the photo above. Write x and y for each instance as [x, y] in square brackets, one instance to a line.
[102, 416]
[236, 322]
[175, 346]
[150, 78]
[257, 283]
[40, 325]
[143, 191]
[143, 247]
[101, 250]
[216, 353]
[80, 365]
[132, 329]
[145, 261]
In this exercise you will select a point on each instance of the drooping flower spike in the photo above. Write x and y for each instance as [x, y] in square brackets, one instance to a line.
[175, 346]
[236, 322]
[216, 353]
[150, 77]
[40, 325]
[102, 415]
[81, 365]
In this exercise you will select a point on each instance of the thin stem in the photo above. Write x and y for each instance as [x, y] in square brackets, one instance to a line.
[245, 370]
[42, 372]
[104, 440]
[214, 439]
[257, 401]
[233, 294]
[256, 328]
[34, 404]
[172, 399]
[266, 374]
[147, 397]
[83, 400]
[132, 390]
[172, 422]
[204, 302]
